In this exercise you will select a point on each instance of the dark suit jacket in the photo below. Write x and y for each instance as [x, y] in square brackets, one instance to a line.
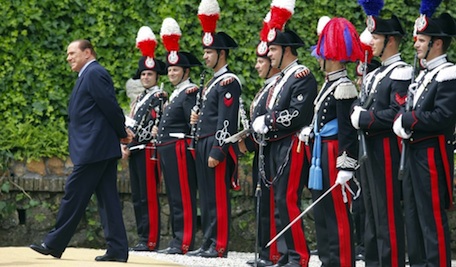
[96, 121]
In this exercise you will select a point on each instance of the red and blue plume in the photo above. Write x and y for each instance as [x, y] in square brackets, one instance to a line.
[170, 33]
[428, 7]
[146, 41]
[208, 14]
[339, 41]
[372, 7]
[281, 12]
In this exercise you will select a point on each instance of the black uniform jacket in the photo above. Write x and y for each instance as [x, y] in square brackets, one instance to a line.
[219, 112]
[292, 108]
[176, 113]
[386, 97]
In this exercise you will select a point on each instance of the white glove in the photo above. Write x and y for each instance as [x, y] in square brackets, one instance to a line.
[304, 135]
[354, 117]
[259, 126]
[399, 130]
[343, 177]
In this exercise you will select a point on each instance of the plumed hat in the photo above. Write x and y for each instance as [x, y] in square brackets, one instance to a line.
[170, 33]
[339, 41]
[262, 48]
[442, 26]
[377, 25]
[322, 21]
[281, 12]
[365, 40]
[146, 42]
[208, 15]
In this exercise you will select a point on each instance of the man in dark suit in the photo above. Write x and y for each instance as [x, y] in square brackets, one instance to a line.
[96, 124]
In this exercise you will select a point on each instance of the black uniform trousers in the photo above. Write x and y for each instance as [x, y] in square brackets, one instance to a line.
[290, 170]
[333, 222]
[144, 180]
[215, 202]
[384, 229]
[178, 168]
[267, 227]
[99, 178]
[425, 190]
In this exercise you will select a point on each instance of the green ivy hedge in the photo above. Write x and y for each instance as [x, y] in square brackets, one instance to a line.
[35, 80]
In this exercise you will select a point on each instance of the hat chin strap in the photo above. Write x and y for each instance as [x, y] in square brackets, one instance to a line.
[218, 58]
[183, 76]
[431, 42]
[281, 58]
[385, 42]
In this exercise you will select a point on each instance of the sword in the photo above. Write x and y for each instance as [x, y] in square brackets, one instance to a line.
[300, 215]
[238, 136]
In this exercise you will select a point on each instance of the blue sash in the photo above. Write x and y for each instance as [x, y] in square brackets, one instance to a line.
[315, 173]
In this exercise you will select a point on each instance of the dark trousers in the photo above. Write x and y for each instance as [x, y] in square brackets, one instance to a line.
[290, 171]
[178, 167]
[384, 229]
[144, 180]
[267, 227]
[333, 222]
[425, 201]
[215, 201]
[99, 178]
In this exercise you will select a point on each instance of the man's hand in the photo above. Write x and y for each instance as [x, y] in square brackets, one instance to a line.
[399, 130]
[194, 117]
[304, 134]
[242, 147]
[125, 151]
[212, 163]
[343, 177]
[129, 138]
[354, 117]
[259, 125]
[154, 131]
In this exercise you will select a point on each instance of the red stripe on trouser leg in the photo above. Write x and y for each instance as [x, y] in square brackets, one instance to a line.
[340, 209]
[222, 208]
[152, 199]
[446, 168]
[273, 250]
[436, 205]
[390, 202]
[181, 153]
[299, 238]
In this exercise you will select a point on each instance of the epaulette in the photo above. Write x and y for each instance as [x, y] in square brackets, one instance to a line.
[345, 90]
[227, 81]
[191, 90]
[446, 74]
[301, 73]
[402, 73]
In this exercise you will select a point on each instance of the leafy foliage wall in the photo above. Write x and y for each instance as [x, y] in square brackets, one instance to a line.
[35, 80]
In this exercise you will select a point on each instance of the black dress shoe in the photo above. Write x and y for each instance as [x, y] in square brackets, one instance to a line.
[196, 252]
[107, 257]
[212, 253]
[171, 250]
[140, 247]
[260, 263]
[43, 249]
